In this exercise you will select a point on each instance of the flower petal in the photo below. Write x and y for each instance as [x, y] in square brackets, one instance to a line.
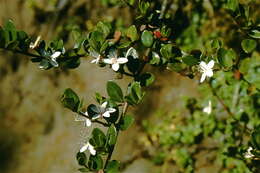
[92, 150]
[203, 77]
[115, 66]
[88, 123]
[84, 148]
[106, 114]
[203, 65]
[122, 60]
[107, 61]
[111, 110]
[209, 73]
[54, 62]
[56, 54]
[211, 64]
[103, 105]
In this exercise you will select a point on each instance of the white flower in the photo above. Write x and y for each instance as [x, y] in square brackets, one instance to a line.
[53, 58]
[95, 55]
[88, 147]
[104, 111]
[206, 70]
[248, 153]
[208, 109]
[87, 121]
[114, 60]
[132, 52]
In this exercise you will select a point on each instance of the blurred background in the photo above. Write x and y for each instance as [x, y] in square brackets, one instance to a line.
[38, 135]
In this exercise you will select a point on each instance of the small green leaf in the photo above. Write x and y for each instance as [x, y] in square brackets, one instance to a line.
[146, 79]
[226, 57]
[135, 93]
[190, 60]
[104, 28]
[248, 45]
[126, 122]
[166, 51]
[232, 5]
[81, 158]
[255, 138]
[111, 135]
[99, 138]
[114, 91]
[112, 167]
[70, 100]
[155, 59]
[132, 33]
[93, 111]
[147, 38]
[95, 163]
[254, 33]
[216, 44]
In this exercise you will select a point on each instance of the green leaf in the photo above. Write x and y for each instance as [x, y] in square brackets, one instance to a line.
[95, 163]
[254, 33]
[190, 60]
[147, 38]
[244, 65]
[93, 111]
[99, 138]
[81, 158]
[146, 79]
[126, 122]
[248, 45]
[255, 138]
[232, 5]
[70, 100]
[216, 44]
[112, 167]
[132, 33]
[114, 91]
[104, 28]
[226, 57]
[155, 59]
[111, 135]
[166, 51]
[135, 93]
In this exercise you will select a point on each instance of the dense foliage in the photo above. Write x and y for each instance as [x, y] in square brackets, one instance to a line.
[215, 40]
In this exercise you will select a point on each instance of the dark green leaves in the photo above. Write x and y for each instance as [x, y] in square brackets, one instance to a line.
[112, 167]
[126, 122]
[135, 93]
[93, 111]
[81, 158]
[255, 138]
[98, 138]
[190, 60]
[114, 91]
[147, 38]
[71, 100]
[95, 163]
[146, 79]
[248, 45]
[226, 57]
[111, 135]
[255, 33]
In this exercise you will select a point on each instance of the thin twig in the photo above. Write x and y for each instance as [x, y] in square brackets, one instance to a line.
[94, 121]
